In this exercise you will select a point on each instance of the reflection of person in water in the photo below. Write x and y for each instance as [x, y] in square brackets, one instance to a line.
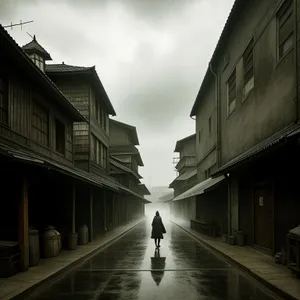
[157, 263]
[158, 229]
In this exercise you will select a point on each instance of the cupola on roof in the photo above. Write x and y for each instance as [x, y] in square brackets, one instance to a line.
[35, 47]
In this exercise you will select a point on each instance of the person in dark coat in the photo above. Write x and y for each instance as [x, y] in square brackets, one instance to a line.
[158, 229]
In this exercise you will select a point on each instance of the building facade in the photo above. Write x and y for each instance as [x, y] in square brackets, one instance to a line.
[254, 71]
[187, 171]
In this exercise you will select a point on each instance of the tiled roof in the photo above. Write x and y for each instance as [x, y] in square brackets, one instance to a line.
[144, 189]
[263, 145]
[181, 142]
[34, 46]
[65, 68]
[40, 77]
[131, 129]
[119, 165]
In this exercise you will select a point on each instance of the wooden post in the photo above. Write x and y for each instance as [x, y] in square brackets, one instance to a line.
[23, 227]
[104, 197]
[91, 231]
[73, 208]
[113, 211]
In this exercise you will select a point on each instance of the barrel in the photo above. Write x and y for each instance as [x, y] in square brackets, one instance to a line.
[34, 247]
[51, 242]
[83, 235]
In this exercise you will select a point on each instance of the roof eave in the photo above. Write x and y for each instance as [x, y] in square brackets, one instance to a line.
[234, 11]
[64, 102]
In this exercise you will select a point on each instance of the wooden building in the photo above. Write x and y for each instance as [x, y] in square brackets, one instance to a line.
[187, 178]
[125, 160]
[38, 178]
[39, 148]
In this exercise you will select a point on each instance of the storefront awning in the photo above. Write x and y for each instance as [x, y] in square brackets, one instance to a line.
[200, 188]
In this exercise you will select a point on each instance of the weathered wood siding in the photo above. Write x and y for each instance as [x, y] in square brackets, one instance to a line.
[21, 97]
[19, 108]
[81, 141]
[98, 119]
[78, 93]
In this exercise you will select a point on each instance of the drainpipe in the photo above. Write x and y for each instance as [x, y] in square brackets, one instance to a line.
[229, 205]
[218, 114]
[296, 57]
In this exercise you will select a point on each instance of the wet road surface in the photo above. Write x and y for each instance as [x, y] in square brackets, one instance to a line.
[131, 269]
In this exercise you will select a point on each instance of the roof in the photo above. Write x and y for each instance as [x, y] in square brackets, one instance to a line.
[200, 188]
[131, 129]
[184, 176]
[34, 46]
[19, 153]
[264, 145]
[28, 68]
[180, 143]
[119, 165]
[167, 197]
[144, 189]
[125, 189]
[62, 70]
[237, 7]
[126, 150]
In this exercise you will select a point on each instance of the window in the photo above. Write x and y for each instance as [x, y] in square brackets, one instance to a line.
[209, 124]
[40, 124]
[98, 152]
[38, 60]
[248, 68]
[3, 101]
[104, 121]
[60, 137]
[285, 28]
[231, 88]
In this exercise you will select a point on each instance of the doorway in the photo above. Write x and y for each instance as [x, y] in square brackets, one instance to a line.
[264, 218]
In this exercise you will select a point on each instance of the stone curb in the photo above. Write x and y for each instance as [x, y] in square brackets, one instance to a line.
[24, 294]
[243, 268]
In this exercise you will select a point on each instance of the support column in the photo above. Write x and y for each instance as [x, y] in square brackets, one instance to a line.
[91, 230]
[72, 238]
[73, 209]
[104, 199]
[113, 211]
[23, 227]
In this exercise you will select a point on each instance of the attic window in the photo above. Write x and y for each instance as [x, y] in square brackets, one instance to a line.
[38, 60]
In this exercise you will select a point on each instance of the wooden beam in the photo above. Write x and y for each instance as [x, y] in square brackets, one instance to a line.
[91, 231]
[104, 199]
[73, 208]
[23, 227]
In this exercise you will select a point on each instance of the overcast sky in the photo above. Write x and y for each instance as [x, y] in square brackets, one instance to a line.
[151, 56]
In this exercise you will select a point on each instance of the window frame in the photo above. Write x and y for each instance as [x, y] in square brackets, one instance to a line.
[248, 56]
[286, 11]
[231, 104]
[41, 107]
[209, 125]
[63, 126]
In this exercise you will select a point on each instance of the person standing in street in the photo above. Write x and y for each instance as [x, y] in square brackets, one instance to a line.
[158, 229]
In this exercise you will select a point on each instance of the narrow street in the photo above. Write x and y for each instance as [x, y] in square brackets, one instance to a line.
[132, 269]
